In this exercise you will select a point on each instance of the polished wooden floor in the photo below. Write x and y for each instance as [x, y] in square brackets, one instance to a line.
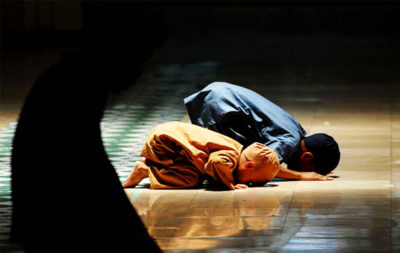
[346, 87]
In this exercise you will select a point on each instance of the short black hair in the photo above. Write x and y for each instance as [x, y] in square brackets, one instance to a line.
[325, 150]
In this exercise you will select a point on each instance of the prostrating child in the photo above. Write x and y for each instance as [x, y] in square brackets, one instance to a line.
[248, 117]
[182, 155]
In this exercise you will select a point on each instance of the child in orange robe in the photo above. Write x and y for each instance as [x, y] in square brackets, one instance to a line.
[181, 155]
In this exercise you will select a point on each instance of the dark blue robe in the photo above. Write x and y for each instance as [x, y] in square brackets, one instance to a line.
[245, 116]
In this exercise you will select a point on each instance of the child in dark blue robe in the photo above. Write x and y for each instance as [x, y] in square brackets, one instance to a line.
[248, 117]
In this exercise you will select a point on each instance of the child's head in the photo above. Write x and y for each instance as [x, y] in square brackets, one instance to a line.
[258, 164]
[319, 153]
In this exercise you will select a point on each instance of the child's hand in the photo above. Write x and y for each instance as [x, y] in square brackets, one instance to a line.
[313, 176]
[240, 186]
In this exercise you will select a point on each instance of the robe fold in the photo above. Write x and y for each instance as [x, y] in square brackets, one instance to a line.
[181, 155]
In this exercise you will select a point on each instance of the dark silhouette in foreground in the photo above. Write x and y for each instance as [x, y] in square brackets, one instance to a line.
[66, 195]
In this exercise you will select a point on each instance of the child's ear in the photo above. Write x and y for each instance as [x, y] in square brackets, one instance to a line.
[307, 156]
[249, 165]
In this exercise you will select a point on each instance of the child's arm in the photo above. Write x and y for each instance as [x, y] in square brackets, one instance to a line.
[305, 176]
[220, 166]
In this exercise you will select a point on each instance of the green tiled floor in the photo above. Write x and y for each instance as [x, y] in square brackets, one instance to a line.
[156, 97]
[6, 136]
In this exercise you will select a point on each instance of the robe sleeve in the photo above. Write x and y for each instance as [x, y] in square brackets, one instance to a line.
[220, 166]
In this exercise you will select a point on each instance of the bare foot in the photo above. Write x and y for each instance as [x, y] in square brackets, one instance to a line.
[140, 170]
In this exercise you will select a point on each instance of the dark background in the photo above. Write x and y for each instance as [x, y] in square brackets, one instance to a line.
[35, 24]
[357, 40]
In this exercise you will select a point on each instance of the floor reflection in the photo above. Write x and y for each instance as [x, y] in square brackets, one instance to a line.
[208, 219]
[291, 218]
[339, 220]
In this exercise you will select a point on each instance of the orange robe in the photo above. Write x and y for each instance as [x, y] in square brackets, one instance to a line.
[180, 154]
